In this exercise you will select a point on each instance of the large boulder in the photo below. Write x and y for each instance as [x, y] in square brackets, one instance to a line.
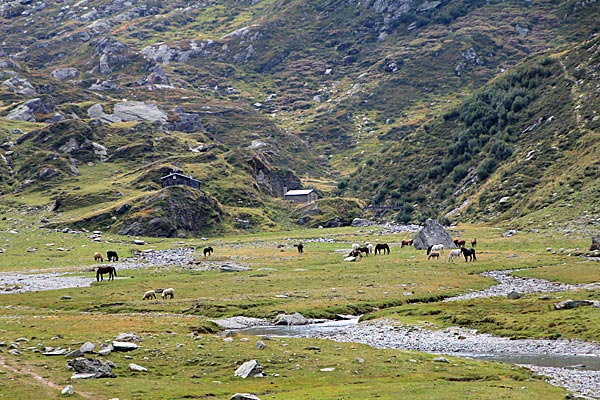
[250, 368]
[28, 110]
[85, 368]
[431, 234]
[293, 319]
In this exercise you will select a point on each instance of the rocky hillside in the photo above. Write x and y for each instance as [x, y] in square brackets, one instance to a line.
[372, 100]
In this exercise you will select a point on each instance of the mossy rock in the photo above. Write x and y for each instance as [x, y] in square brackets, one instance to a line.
[172, 212]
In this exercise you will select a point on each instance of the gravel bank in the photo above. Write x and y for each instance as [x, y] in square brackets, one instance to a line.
[14, 282]
[508, 283]
[456, 341]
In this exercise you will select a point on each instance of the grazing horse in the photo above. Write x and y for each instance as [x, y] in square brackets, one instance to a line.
[98, 257]
[459, 242]
[370, 247]
[469, 254]
[436, 247]
[355, 253]
[300, 247]
[433, 254]
[112, 255]
[207, 251]
[382, 248]
[454, 254]
[364, 249]
[111, 271]
[474, 242]
[406, 243]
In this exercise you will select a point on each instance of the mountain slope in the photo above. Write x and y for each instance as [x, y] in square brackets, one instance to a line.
[252, 96]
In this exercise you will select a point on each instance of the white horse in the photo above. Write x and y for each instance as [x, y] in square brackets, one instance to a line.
[436, 247]
[370, 247]
[454, 254]
[355, 246]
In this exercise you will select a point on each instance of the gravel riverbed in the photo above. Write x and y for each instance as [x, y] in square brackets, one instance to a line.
[20, 282]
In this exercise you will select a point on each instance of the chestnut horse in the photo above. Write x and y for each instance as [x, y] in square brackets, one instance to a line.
[406, 243]
[459, 242]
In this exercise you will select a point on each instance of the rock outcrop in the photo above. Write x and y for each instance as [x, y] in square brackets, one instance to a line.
[432, 233]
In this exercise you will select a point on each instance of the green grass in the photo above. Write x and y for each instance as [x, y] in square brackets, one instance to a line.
[186, 356]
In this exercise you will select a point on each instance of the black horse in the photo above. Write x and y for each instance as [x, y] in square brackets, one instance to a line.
[382, 247]
[469, 254]
[300, 247]
[112, 255]
[207, 251]
[111, 271]
[364, 249]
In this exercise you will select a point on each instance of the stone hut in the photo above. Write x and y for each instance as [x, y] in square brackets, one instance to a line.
[300, 195]
[176, 178]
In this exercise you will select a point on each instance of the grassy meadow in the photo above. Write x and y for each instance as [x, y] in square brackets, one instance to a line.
[187, 357]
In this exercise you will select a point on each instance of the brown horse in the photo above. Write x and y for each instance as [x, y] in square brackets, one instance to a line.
[111, 271]
[406, 243]
[98, 257]
[459, 242]
[474, 242]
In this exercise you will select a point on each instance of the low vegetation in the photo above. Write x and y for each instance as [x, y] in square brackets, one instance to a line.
[187, 356]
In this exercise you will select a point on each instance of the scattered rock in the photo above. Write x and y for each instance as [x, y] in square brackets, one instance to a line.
[243, 396]
[293, 319]
[67, 390]
[260, 345]
[56, 352]
[87, 347]
[233, 268]
[128, 337]
[569, 304]
[87, 368]
[74, 354]
[250, 368]
[65, 73]
[137, 368]
[124, 346]
[514, 295]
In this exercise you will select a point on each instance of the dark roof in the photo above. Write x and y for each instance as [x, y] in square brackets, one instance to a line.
[179, 174]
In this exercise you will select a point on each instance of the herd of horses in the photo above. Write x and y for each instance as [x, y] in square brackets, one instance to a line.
[112, 255]
[433, 251]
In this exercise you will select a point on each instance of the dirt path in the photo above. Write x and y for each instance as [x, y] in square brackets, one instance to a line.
[25, 370]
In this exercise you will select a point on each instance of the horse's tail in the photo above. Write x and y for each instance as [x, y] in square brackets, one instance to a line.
[114, 271]
[474, 257]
